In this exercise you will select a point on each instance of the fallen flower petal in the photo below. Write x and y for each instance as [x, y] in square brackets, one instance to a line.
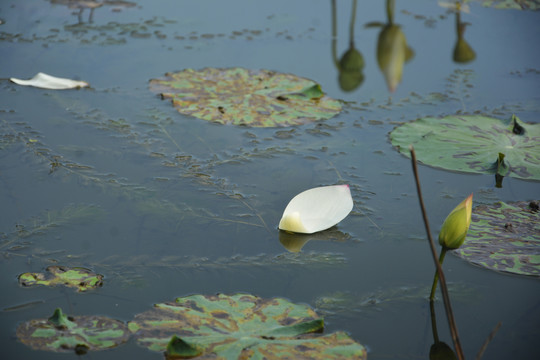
[317, 209]
[44, 81]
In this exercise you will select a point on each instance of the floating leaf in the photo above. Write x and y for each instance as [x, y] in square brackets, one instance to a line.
[317, 209]
[45, 81]
[240, 96]
[239, 326]
[512, 4]
[62, 333]
[474, 144]
[505, 237]
[80, 278]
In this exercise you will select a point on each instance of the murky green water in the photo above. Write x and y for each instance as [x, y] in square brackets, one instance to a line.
[114, 179]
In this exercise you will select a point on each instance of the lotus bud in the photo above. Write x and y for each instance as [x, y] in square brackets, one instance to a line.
[455, 226]
[350, 70]
[392, 53]
[463, 52]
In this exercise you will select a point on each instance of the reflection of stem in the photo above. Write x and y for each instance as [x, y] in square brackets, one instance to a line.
[433, 322]
[351, 25]
[390, 11]
[334, 34]
[444, 288]
[488, 340]
[436, 277]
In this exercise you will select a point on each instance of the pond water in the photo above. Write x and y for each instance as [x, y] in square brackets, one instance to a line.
[114, 179]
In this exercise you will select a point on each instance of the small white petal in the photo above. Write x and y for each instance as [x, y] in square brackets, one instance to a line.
[317, 209]
[45, 81]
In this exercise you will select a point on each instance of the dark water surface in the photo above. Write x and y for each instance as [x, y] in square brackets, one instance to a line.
[170, 205]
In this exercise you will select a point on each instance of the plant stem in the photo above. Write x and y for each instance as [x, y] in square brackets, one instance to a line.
[436, 277]
[444, 288]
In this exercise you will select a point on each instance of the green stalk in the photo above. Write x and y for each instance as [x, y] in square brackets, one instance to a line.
[436, 277]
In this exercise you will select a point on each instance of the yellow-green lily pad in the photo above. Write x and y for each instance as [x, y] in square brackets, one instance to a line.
[238, 96]
[239, 326]
[504, 237]
[61, 333]
[79, 278]
[476, 144]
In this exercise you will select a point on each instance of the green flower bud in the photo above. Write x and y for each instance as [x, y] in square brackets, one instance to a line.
[455, 227]
[392, 53]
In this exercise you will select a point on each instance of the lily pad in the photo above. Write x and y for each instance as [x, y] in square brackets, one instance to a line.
[258, 98]
[61, 333]
[512, 4]
[504, 237]
[239, 326]
[476, 144]
[80, 278]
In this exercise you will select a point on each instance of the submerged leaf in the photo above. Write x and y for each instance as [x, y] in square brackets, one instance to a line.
[80, 278]
[45, 81]
[239, 326]
[317, 209]
[62, 333]
[505, 237]
[240, 96]
[473, 144]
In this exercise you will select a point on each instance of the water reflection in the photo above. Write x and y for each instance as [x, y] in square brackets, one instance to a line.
[295, 242]
[463, 52]
[91, 5]
[439, 349]
[351, 65]
[392, 49]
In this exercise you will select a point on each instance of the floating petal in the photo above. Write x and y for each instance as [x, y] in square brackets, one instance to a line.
[45, 81]
[317, 209]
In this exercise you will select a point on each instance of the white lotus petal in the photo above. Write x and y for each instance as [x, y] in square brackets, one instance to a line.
[317, 209]
[45, 81]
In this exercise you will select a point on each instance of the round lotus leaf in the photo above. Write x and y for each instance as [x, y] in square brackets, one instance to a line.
[62, 333]
[239, 326]
[504, 237]
[476, 144]
[238, 96]
[80, 278]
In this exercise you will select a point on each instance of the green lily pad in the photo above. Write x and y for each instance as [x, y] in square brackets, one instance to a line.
[504, 237]
[80, 278]
[61, 333]
[512, 4]
[476, 144]
[239, 326]
[238, 96]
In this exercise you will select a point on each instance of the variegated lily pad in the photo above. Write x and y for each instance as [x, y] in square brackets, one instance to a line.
[504, 237]
[62, 333]
[238, 96]
[239, 326]
[475, 144]
[80, 278]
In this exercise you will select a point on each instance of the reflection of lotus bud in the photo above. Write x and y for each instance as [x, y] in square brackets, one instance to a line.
[350, 70]
[463, 52]
[392, 52]
[441, 351]
[456, 225]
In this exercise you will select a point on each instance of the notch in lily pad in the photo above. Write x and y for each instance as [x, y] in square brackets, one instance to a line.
[239, 326]
[238, 96]
[475, 144]
[63, 333]
[79, 278]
